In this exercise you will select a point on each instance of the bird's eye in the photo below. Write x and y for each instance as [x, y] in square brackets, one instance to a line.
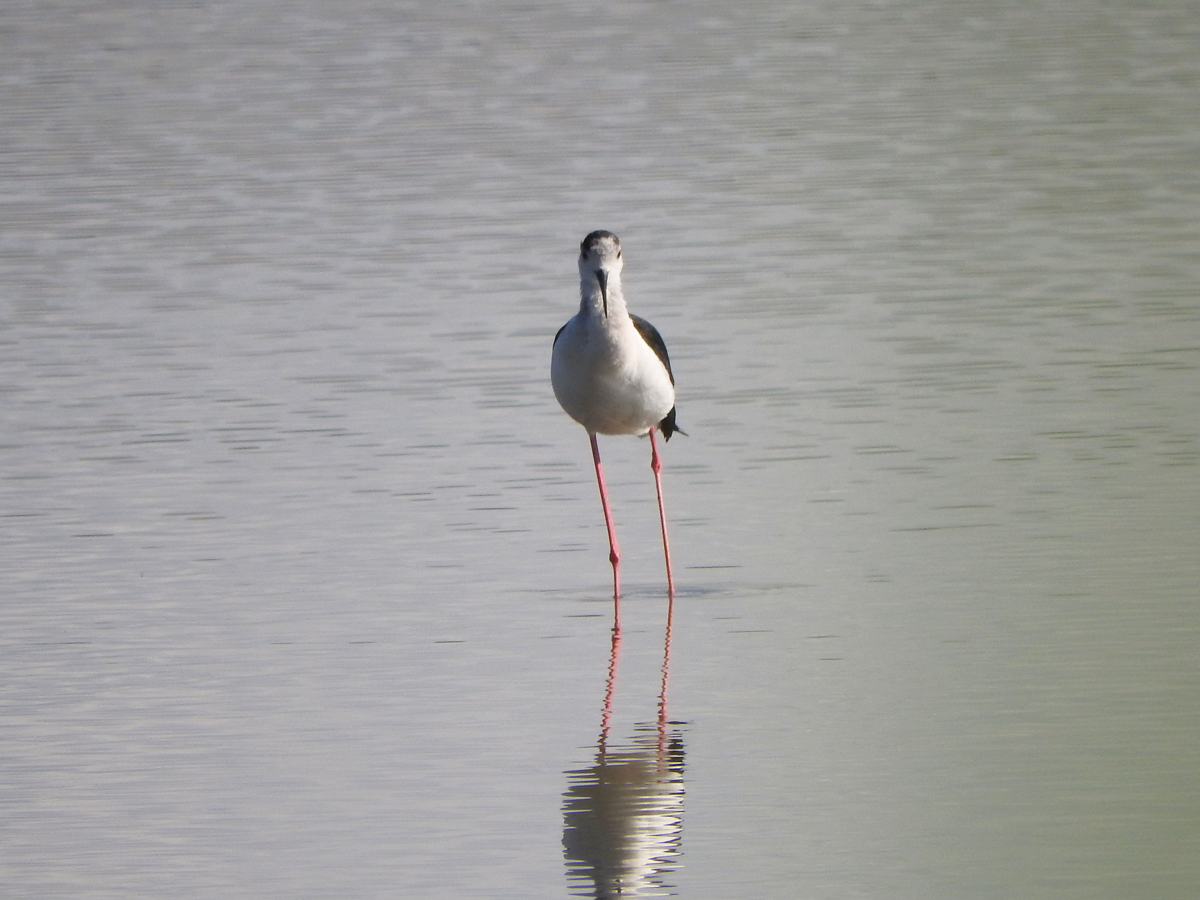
[618, 254]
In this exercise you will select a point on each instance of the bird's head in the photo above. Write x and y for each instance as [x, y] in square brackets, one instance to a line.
[600, 259]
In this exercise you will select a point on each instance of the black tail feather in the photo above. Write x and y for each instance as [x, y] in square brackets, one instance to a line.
[668, 427]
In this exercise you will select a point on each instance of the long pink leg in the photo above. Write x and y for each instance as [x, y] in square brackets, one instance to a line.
[614, 551]
[656, 465]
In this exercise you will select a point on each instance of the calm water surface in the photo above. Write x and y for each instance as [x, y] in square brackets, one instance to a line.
[304, 582]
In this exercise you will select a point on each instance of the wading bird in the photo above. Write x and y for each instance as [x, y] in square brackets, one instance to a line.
[611, 374]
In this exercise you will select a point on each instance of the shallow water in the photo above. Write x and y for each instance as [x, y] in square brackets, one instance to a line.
[305, 588]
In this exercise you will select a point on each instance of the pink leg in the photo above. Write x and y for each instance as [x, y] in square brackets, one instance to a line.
[656, 465]
[614, 551]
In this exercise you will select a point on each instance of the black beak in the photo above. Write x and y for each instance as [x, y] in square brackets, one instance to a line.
[602, 277]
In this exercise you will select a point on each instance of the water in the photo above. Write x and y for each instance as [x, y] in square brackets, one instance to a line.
[304, 572]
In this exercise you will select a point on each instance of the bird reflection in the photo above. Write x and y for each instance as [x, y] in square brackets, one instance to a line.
[623, 815]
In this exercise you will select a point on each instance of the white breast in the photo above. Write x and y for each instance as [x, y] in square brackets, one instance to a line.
[607, 377]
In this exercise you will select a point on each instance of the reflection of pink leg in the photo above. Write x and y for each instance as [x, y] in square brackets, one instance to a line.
[656, 465]
[614, 551]
[610, 688]
[662, 694]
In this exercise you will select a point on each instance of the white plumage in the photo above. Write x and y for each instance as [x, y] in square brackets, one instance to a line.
[605, 374]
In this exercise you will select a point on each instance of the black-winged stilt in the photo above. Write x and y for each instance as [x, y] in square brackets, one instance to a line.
[611, 374]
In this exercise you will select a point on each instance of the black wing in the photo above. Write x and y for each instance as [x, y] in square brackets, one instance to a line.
[651, 336]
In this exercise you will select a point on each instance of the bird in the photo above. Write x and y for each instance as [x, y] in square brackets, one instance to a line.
[612, 375]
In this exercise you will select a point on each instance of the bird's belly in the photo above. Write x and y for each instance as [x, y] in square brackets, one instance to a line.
[619, 399]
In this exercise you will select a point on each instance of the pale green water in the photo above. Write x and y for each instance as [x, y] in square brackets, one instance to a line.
[304, 573]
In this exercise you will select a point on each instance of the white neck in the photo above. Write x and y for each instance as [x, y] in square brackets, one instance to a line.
[592, 300]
